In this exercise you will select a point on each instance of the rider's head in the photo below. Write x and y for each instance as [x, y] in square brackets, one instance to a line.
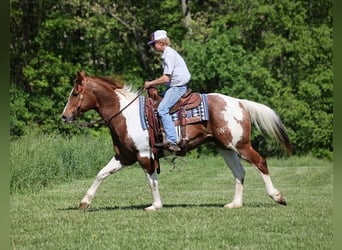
[159, 39]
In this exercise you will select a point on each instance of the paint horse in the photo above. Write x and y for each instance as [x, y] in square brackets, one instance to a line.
[229, 126]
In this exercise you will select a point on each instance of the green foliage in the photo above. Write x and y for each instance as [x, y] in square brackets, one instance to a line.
[285, 62]
[277, 53]
[40, 160]
[20, 115]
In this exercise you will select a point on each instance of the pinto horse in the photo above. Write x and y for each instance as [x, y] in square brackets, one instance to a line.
[229, 126]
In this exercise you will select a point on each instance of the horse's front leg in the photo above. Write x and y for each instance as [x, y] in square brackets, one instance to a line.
[112, 167]
[153, 182]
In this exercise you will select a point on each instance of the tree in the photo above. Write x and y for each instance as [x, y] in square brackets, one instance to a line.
[277, 53]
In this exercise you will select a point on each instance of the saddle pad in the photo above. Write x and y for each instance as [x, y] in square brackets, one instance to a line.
[199, 113]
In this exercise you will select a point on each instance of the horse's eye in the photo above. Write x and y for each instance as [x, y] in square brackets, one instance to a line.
[74, 94]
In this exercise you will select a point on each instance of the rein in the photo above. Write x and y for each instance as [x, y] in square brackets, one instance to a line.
[102, 121]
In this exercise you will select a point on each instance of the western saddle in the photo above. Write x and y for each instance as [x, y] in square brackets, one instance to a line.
[155, 129]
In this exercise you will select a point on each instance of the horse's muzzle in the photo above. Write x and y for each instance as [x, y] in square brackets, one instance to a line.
[68, 119]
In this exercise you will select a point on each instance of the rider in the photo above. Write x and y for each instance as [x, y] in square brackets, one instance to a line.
[176, 76]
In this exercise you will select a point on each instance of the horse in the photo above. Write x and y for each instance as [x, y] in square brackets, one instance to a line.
[229, 127]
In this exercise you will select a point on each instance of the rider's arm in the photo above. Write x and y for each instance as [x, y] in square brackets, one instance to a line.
[160, 80]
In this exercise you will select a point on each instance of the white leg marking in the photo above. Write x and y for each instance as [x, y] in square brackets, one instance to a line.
[112, 167]
[237, 201]
[153, 182]
[271, 190]
[232, 160]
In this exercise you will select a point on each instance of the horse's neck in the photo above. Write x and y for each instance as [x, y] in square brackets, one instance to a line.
[107, 103]
[112, 103]
[113, 109]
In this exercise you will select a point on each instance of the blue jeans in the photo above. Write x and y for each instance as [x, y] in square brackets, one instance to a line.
[171, 96]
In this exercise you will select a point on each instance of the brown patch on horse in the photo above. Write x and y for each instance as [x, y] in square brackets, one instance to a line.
[247, 128]
[218, 126]
[245, 147]
[149, 164]
[196, 134]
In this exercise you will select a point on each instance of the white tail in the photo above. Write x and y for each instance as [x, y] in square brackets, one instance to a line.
[266, 120]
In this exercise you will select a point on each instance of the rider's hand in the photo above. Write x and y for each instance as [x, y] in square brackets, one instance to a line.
[147, 84]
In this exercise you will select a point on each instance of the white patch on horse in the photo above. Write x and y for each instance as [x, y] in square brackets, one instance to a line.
[135, 131]
[233, 115]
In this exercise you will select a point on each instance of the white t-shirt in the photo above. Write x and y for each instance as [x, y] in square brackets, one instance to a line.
[174, 65]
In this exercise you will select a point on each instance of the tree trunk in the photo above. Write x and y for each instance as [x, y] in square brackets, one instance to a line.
[187, 15]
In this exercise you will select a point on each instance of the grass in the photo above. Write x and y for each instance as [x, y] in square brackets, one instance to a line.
[193, 216]
[40, 161]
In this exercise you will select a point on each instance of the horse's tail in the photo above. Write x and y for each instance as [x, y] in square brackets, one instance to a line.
[266, 119]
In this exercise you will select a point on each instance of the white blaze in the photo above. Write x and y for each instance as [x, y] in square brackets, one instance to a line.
[66, 105]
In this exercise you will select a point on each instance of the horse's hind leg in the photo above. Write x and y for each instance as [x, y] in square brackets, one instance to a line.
[252, 156]
[233, 161]
[112, 167]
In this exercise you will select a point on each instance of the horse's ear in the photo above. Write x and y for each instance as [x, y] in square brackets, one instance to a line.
[80, 76]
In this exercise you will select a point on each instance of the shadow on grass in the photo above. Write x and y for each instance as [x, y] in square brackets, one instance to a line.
[141, 207]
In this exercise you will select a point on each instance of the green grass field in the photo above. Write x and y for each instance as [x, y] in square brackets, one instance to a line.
[193, 216]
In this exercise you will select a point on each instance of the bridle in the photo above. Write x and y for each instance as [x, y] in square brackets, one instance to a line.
[80, 99]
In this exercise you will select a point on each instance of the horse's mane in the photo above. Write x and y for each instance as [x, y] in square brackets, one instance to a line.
[114, 80]
[118, 83]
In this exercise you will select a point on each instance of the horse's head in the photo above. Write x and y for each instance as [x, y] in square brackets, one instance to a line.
[80, 99]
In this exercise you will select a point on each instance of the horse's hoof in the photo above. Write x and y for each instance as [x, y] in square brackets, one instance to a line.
[83, 205]
[279, 198]
[152, 208]
[282, 201]
[232, 205]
